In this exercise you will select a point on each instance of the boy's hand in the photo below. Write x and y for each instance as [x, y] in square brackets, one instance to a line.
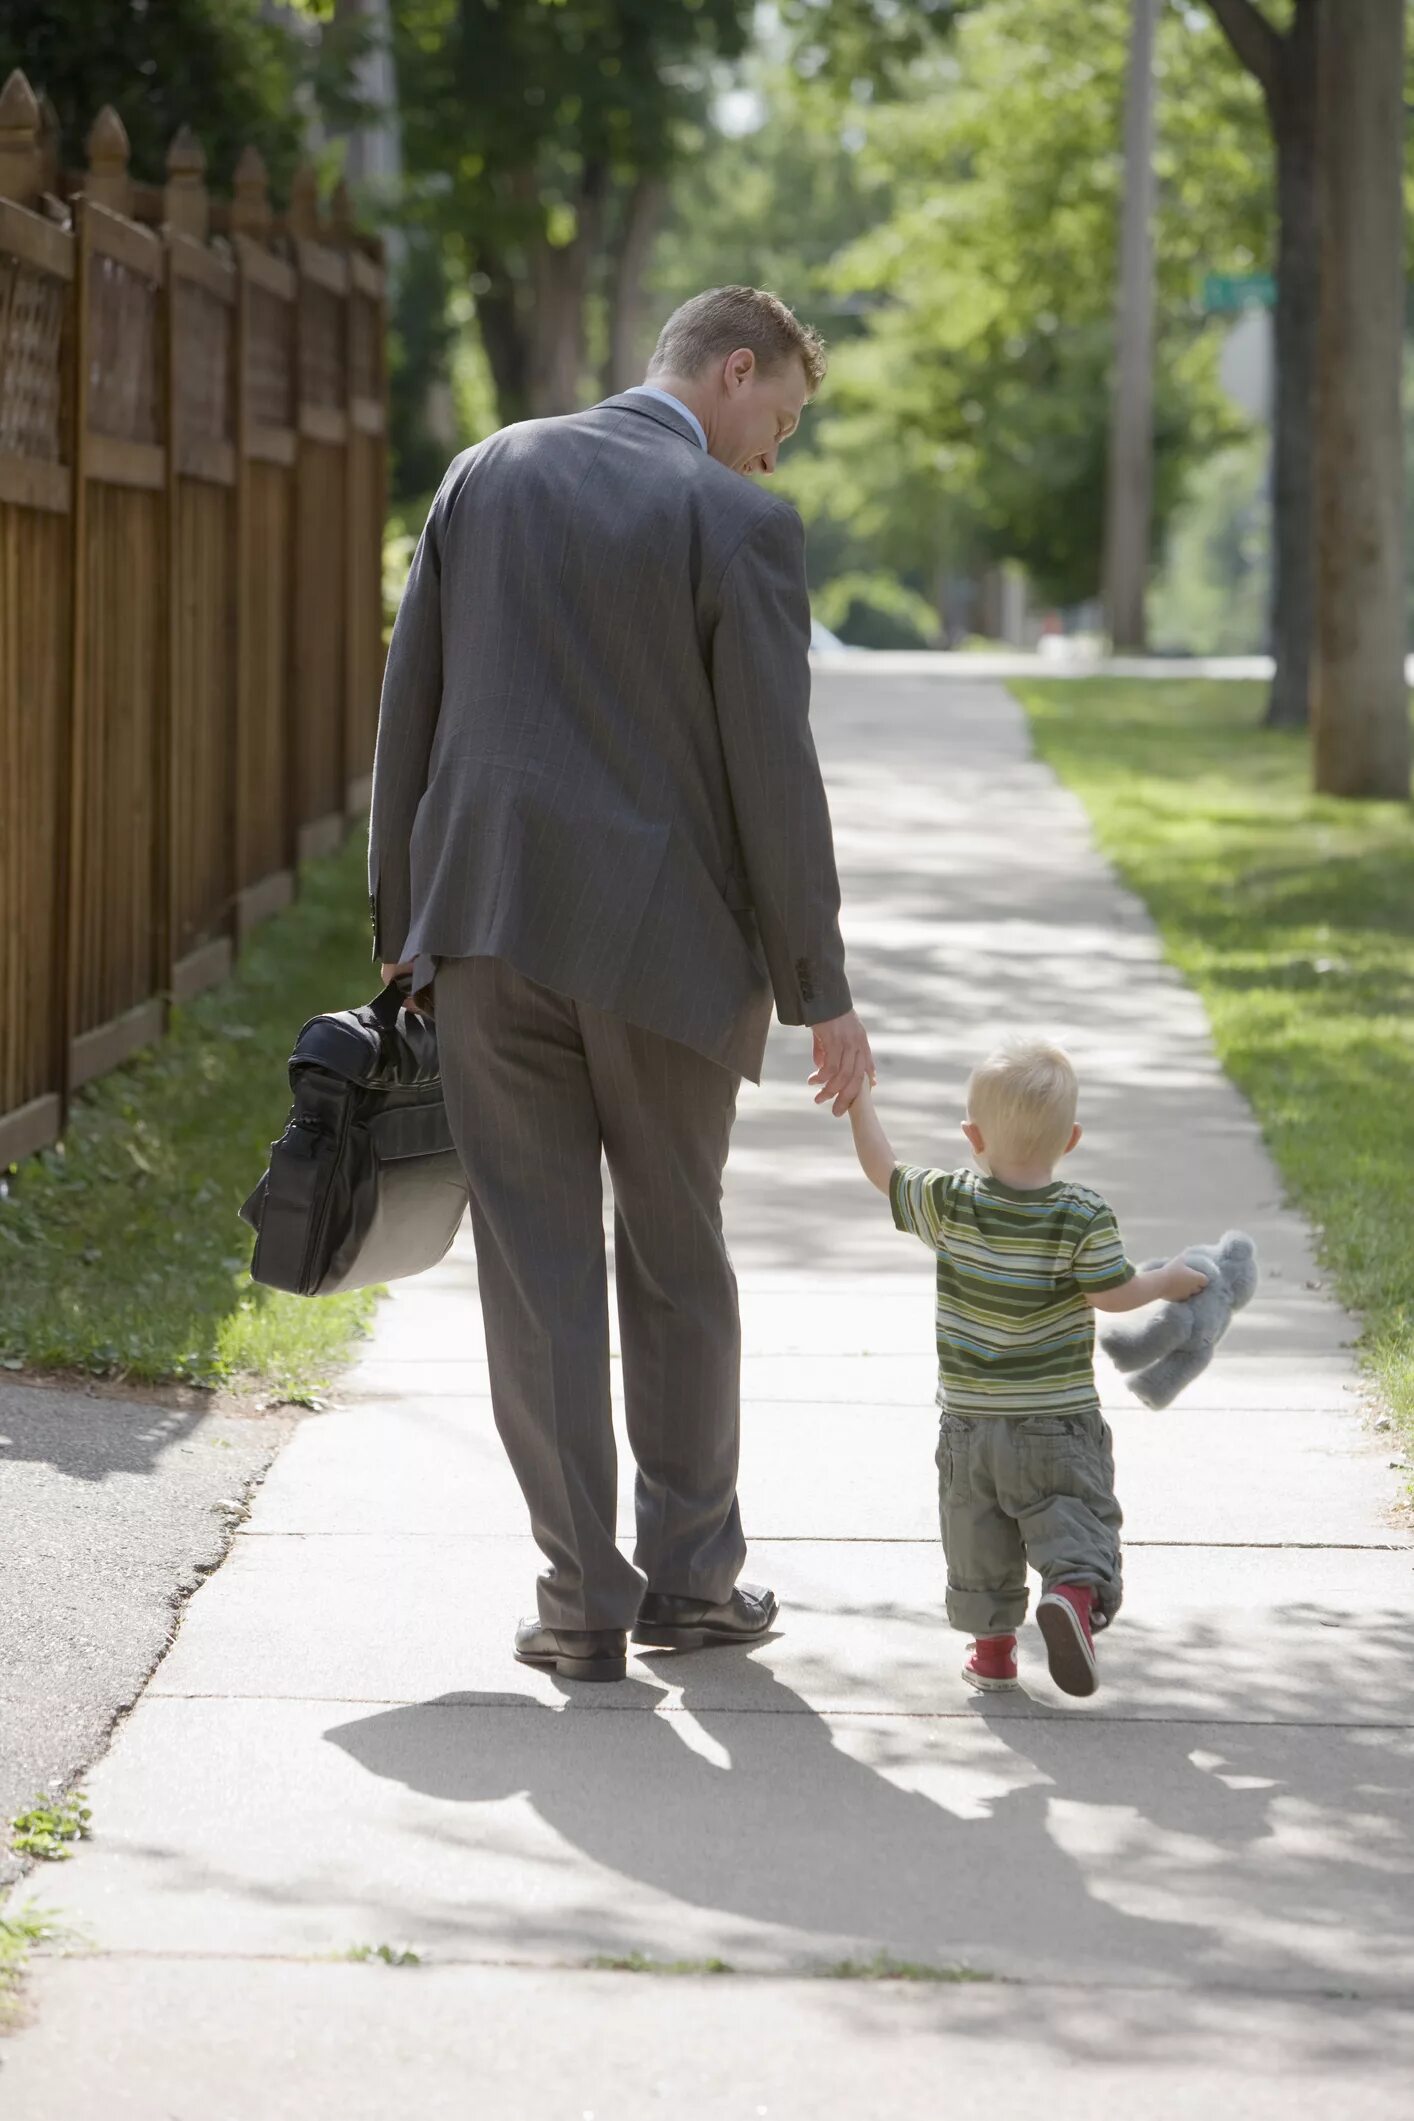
[1182, 1281]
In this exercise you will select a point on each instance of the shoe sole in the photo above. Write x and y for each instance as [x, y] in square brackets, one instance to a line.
[699, 1638]
[596, 1671]
[991, 1686]
[1071, 1660]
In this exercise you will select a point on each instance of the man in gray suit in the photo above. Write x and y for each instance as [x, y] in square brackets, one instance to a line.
[599, 836]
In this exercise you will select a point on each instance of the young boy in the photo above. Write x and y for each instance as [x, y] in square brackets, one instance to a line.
[1025, 1460]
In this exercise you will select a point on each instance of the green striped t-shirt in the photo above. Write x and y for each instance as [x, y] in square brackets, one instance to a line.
[1015, 1334]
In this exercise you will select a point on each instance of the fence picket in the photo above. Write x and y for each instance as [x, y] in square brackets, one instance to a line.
[190, 649]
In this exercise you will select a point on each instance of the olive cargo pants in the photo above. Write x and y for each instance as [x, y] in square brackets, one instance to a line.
[1019, 1489]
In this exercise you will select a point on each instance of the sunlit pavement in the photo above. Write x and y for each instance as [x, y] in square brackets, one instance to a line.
[1196, 1891]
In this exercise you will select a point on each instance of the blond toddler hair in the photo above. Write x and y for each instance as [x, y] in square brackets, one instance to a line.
[1023, 1099]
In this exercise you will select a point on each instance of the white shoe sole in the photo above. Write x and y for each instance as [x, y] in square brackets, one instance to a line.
[1069, 1655]
[991, 1686]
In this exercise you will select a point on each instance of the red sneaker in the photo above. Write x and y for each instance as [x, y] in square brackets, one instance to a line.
[991, 1664]
[1063, 1616]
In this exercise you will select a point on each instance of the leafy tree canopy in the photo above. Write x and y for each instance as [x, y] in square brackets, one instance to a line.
[510, 104]
[223, 67]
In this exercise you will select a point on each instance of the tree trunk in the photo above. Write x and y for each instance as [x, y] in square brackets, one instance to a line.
[1292, 108]
[643, 215]
[1361, 711]
[503, 334]
[1129, 494]
[559, 287]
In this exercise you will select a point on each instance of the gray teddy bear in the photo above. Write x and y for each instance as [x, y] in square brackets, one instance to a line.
[1175, 1344]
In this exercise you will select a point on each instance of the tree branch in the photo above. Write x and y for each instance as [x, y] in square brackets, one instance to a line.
[1258, 46]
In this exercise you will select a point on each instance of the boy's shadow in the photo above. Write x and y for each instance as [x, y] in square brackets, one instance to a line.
[797, 1834]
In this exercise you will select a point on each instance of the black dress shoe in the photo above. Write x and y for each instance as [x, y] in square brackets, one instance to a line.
[575, 1653]
[671, 1623]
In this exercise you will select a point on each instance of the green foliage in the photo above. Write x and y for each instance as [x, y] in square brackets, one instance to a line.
[421, 341]
[877, 611]
[20, 1934]
[639, 1963]
[385, 1954]
[883, 1968]
[863, 43]
[528, 125]
[121, 1252]
[50, 1826]
[1211, 595]
[991, 342]
[220, 66]
[1293, 916]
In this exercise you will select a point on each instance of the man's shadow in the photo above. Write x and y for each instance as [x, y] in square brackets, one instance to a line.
[806, 1831]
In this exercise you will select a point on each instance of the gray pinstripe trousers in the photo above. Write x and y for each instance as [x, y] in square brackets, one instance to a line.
[538, 1089]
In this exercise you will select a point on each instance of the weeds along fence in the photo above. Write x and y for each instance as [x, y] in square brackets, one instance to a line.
[192, 475]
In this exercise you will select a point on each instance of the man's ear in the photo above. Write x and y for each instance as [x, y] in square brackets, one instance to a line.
[740, 367]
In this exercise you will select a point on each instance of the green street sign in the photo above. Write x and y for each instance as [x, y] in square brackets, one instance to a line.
[1225, 293]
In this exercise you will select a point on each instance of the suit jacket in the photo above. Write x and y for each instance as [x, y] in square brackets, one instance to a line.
[594, 757]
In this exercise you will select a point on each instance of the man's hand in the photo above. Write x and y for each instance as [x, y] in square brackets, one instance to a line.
[392, 972]
[843, 1062]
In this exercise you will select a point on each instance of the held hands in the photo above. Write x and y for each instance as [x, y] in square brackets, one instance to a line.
[843, 1062]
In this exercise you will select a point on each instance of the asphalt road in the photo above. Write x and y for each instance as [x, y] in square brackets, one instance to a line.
[112, 1509]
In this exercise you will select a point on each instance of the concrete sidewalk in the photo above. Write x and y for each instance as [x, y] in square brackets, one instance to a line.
[1196, 1891]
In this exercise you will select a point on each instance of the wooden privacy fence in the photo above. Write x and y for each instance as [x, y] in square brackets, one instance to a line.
[192, 473]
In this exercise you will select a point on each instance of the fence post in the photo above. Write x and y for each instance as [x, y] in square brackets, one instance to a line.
[250, 197]
[108, 183]
[19, 140]
[303, 215]
[186, 208]
[35, 496]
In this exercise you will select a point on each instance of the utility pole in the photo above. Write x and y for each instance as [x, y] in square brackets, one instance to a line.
[1130, 477]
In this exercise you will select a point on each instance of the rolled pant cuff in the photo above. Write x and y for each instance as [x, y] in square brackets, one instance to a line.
[986, 1612]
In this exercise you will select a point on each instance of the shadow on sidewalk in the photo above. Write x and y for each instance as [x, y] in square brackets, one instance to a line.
[1053, 1844]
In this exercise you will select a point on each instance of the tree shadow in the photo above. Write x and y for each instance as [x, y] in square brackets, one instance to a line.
[87, 1438]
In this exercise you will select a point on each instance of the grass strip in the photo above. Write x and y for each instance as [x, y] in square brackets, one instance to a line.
[121, 1251]
[1293, 916]
[640, 1963]
[20, 1934]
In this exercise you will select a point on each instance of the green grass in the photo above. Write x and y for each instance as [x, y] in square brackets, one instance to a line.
[883, 1968]
[385, 1954]
[121, 1252]
[639, 1963]
[20, 1934]
[1293, 916]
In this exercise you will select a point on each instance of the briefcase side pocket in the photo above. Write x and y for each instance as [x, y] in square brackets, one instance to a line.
[292, 1212]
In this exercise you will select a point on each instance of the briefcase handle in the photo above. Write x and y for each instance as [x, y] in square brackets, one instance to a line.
[385, 1006]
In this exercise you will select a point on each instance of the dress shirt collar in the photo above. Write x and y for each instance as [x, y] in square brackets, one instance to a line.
[651, 390]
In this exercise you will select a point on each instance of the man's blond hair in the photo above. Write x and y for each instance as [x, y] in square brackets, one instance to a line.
[1023, 1098]
[716, 323]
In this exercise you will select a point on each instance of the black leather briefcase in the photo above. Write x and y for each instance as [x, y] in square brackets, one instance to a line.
[364, 1184]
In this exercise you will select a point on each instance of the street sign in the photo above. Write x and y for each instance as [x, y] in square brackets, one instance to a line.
[1226, 293]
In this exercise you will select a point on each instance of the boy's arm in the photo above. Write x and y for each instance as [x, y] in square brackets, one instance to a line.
[871, 1144]
[1172, 1283]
